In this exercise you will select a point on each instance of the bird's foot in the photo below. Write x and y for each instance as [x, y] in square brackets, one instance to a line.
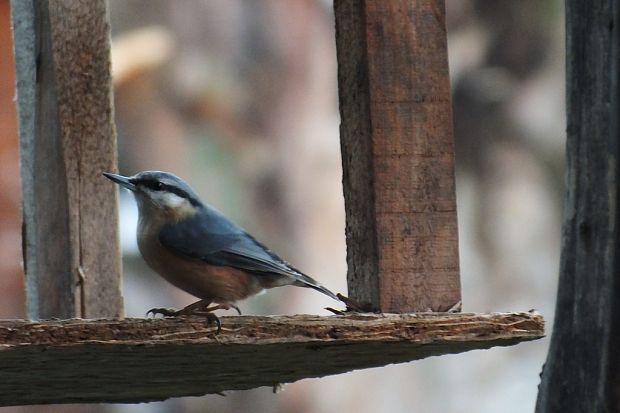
[166, 312]
[188, 311]
[211, 318]
[199, 308]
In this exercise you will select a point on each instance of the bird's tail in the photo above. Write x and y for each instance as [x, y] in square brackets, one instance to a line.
[325, 291]
[309, 282]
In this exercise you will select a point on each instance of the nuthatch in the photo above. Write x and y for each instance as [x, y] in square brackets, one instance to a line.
[197, 249]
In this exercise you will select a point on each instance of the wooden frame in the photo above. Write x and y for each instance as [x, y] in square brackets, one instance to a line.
[401, 224]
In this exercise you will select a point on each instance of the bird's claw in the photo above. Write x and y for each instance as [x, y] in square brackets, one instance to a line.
[337, 312]
[166, 312]
[210, 318]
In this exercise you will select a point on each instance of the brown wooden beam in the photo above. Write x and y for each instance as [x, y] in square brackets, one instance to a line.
[398, 154]
[138, 360]
[67, 138]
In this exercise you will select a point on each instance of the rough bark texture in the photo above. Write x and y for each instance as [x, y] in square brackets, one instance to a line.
[582, 372]
[141, 360]
[398, 154]
[67, 135]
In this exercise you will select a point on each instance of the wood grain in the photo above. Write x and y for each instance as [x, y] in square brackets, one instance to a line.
[398, 154]
[67, 135]
[142, 360]
[582, 371]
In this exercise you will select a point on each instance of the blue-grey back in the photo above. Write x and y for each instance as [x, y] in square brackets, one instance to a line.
[210, 236]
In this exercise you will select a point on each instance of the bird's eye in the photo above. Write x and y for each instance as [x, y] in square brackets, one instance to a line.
[153, 185]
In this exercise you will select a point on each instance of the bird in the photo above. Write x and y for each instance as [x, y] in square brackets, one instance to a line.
[198, 249]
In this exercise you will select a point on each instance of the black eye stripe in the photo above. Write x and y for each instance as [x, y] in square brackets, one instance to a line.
[176, 191]
[156, 185]
[160, 186]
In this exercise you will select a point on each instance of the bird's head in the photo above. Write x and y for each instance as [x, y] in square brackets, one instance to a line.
[160, 193]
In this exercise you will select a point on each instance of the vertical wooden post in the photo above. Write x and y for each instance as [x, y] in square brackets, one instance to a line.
[582, 371]
[67, 138]
[398, 154]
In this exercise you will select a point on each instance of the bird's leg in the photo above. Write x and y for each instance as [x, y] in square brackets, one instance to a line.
[223, 307]
[197, 307]
[202, 306]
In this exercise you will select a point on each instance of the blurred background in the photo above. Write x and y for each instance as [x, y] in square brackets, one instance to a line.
[239, 97]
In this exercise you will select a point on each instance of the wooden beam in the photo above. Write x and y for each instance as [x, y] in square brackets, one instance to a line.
[398, 154]
[582, 371]
[137, 360]
[67, 138]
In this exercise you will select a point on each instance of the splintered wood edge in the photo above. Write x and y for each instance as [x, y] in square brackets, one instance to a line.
[137, 360]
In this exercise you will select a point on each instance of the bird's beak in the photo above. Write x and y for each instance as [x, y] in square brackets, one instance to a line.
[121, 180]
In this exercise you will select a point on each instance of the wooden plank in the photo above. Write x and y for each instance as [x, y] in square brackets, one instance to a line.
[49, 285]
[398, 154]
[42, 362]
[582, 371]
[67, 138]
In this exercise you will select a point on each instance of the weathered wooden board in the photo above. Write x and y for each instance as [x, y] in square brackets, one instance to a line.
[67, 138]
[137, 360]
[582, 371]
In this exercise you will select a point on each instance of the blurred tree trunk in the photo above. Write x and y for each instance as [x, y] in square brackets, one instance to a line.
[582, 372]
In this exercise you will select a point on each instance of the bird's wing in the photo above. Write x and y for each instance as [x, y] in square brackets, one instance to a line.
[211, 237]
[214, 239]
